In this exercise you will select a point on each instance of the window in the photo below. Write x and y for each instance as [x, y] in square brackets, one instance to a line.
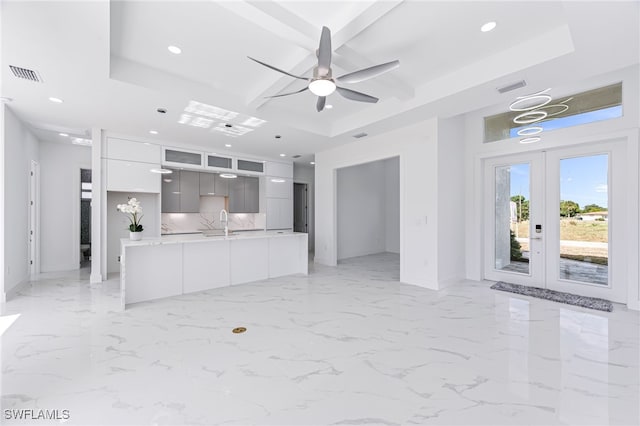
[594, 105]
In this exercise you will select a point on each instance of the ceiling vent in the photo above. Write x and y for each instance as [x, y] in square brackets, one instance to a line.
[513, 86]
[360, 135]
[26, 74]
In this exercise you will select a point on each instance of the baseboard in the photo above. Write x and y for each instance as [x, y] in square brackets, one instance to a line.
[8, 295]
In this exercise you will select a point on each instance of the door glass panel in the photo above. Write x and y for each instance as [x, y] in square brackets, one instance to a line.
[584, 219]
[512, 185]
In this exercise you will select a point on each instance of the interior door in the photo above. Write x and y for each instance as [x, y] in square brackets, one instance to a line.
[556, 220]
[513, 208]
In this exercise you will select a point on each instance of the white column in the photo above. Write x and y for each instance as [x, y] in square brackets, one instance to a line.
[97, 195]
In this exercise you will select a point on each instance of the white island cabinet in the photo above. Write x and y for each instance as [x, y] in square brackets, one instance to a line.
[172, 265]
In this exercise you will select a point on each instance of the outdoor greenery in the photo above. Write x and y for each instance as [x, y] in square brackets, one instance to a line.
[516, 252]
[569, 208]
[522, 207]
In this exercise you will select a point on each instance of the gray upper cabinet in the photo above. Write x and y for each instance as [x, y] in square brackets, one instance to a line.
[182, 193]
[207, 184]
[189, 192]
[171, 192]
[251, 195]
[221, 186]
[244, 195]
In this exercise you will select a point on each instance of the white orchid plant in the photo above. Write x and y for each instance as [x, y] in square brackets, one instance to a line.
[134, 209]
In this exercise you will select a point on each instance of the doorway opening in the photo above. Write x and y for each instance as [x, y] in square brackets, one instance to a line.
[368, 216]
[85, 217]
[300, 208]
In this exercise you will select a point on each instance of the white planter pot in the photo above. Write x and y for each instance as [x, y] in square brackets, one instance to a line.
[135, 236]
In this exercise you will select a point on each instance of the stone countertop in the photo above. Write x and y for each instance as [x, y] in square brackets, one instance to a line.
[200, 238]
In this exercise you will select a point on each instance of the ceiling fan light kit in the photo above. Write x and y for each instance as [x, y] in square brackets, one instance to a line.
[322, 84]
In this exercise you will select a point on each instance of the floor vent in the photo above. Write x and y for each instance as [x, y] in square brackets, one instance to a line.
[26, 74]
[360, 135]
[513, 86]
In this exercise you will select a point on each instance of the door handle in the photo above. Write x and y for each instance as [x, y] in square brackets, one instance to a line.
[536, 238]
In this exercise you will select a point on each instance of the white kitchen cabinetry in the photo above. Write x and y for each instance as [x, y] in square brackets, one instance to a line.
[205, 265]
[162, 277]
[279, 187]
[279, 213]
[255, 249]
[132, 176]
[122, 149]
[279, 169]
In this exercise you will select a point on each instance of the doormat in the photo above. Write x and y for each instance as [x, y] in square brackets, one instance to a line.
[556, 296]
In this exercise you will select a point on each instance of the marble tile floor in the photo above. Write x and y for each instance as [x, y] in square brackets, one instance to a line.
[344, 345]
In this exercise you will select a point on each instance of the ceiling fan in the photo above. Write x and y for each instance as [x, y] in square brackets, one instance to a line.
[323, 84]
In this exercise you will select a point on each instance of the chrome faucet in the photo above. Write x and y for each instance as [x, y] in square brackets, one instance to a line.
[223, 213]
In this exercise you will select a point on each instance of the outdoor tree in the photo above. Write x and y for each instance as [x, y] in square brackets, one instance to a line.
[522, 206]
[569, 208]
[593, 208]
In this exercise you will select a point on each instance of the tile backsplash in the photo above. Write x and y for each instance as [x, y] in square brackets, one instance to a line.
[209, 218]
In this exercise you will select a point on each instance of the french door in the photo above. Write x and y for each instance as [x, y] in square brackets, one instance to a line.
[555, 219]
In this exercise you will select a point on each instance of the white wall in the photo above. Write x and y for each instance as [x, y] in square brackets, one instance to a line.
[361, 210]
[118, 222]
[306, 174]
[392, 204]
[20, 148]
[60, 204]
[417, 147]
[451, 200]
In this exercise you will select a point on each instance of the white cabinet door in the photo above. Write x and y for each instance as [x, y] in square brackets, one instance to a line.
[122, 149]
[279, 187]
[130, 176]
[206, 265]
[279, 169]
[279, 213]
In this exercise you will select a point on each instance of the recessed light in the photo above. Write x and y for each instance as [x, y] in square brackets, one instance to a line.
[532, 139]
[488, 27]
[278, 180]
[175, 50]
[64, 134]
[228, 145]
[312, 163]
[329, 106]
[153, 132]
[56, 100]
[283, 155]
[167, 180]
[228, 175]
[161, 171]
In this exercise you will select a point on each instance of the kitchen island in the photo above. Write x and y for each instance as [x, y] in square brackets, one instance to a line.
[172, 265]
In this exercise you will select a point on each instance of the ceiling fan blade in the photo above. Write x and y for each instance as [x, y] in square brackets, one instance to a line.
[356, 96]
[320, 103]
[367, 73]
[324, 52]
[287, 94]
[277, 69]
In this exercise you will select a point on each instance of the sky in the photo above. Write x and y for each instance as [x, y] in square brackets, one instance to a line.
[582, 179]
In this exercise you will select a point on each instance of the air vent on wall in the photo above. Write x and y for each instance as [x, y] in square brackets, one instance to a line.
[512, 86]
[360, 135]
[26, 74]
